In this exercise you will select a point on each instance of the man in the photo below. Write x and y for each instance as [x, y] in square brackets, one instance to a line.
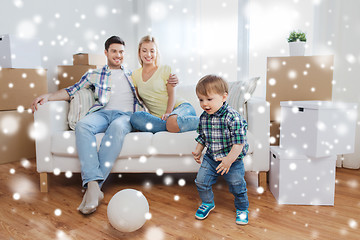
[116, 100]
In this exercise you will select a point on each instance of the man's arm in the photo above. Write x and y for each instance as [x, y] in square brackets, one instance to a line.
[62, 94]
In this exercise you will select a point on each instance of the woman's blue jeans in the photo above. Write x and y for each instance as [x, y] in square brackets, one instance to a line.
[186, 120]
[96, 165]
[207, 176]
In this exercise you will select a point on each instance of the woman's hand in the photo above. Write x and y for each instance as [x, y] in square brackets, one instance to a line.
[165, 116]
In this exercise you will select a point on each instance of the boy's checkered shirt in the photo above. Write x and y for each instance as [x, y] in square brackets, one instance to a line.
[221, 130]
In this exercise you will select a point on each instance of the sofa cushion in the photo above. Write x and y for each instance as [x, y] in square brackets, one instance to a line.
[166, 143]
[135, 144]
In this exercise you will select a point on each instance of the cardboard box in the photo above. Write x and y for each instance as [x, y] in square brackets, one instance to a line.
[69, 75]
[15, 141]
[274, 133]
[297, 78]
[318, 128]
[89, 59]
[16, 52]
[19, 87]
[297, 179]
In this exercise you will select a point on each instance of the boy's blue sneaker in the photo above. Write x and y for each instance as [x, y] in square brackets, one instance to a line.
[204, 210]
[242, 217]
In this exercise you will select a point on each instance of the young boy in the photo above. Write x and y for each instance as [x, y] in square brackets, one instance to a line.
[223, 131]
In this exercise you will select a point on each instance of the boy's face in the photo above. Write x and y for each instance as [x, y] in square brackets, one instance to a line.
[212, 102]
[115, 55]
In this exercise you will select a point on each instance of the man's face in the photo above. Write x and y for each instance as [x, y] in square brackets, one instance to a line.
[115, 55]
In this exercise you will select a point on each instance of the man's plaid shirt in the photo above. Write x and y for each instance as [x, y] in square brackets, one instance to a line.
[221, 130]
[99, 81]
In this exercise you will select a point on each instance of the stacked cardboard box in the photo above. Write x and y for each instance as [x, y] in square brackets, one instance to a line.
[21, 80]
[302, 169]
[297, 78]
[83, 62]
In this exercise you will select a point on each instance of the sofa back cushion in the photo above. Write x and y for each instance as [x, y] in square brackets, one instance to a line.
[188, 93]
[240, 92]
[80, 103]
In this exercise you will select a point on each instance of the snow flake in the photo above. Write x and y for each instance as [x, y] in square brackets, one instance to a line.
[260, 190]
[101, 11]
[272, 81]
[159, 172]
[18, 3]
[57, 212]
[143, 159]
[353, 224]
[148, 216]
[68, 174]
[56, 171]
[25, 163]
[155, 233]
[168, 180]
[157, 11]
[181, 182]
[16, 196]
[149, 126]
[70, 149]
[292, 166]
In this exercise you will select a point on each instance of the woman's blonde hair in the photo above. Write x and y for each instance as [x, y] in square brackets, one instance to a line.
[148, 39]
[212, 84]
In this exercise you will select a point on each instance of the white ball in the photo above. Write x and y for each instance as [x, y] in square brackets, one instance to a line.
[127, 210]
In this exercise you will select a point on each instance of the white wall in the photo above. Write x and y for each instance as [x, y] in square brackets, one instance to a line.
[69, 26]
[270, 24]
[340, 24]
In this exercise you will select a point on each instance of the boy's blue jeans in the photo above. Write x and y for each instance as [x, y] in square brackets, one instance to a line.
[186, 120]
[207, 176]
[96, 165]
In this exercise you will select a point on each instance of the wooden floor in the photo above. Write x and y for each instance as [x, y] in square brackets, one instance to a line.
[30, 214]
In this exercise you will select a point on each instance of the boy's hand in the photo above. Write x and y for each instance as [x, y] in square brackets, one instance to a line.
[224, 166]
[197, 156]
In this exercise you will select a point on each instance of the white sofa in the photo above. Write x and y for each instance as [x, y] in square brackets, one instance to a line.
[143, 151]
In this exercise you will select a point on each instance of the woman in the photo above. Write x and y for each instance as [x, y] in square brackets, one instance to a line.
[166, 111]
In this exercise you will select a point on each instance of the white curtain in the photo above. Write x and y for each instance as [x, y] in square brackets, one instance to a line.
[199, 37]
[336, 31]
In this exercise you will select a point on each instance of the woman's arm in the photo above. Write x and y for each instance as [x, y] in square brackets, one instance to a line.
[171, 101]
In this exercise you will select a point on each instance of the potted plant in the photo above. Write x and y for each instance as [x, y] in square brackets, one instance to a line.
[297, 41]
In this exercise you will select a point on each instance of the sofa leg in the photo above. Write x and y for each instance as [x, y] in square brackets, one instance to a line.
[43, 182]
[262, 180]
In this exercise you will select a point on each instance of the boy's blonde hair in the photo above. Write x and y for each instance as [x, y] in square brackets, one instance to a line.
[212, 84]
[148, 39]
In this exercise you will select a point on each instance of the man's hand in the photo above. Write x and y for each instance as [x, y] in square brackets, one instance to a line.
[224, 166]
[39, 100]
[173, 80]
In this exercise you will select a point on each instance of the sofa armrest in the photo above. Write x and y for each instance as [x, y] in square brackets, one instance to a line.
[258, 114]
[49, 118]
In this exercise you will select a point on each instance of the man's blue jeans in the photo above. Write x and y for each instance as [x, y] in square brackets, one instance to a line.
[96, 165]
[186, 120]
[207, 176]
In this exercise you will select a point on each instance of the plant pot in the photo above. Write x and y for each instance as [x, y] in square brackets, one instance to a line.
[297, 48]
